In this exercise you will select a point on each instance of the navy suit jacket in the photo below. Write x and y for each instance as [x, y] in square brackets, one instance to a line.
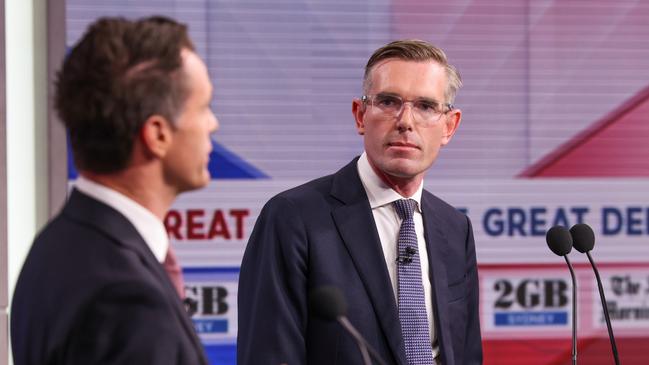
[323, 233]
[92, 292]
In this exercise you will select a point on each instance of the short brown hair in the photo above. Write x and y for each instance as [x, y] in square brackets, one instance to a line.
[415, 50]
[119, 74]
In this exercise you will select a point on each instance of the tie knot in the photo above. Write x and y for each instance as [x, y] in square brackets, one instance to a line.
[405, 208]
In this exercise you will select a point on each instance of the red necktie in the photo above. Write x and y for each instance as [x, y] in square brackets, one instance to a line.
[175, 273]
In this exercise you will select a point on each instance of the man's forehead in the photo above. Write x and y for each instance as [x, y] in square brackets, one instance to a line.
[192, 61]
[424, 77]
[393, 62]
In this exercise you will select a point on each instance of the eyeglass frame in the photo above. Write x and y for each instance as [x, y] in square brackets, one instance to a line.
[365, 99]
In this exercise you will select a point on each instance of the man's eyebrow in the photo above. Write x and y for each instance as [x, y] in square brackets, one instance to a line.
[419, 98]
[429, 100]
[387, 93]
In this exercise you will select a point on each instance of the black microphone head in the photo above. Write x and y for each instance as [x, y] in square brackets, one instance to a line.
[559, 240]
[583, 237]
[328, 303]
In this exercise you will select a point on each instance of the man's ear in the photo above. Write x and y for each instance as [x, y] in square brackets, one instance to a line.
[156, 135]
[451, 122]
[358, 110]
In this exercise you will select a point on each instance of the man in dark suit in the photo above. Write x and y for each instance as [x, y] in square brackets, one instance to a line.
[409, 275]
[135, 99]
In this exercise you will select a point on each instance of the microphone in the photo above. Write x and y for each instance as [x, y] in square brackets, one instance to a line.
[328, 303]
[583, 240]
[559, 240]
[408, 255]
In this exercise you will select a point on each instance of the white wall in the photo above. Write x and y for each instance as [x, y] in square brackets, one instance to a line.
[3, 197]
[26, 131]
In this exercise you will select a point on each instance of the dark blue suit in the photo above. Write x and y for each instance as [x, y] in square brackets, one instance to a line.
[92, 292]
[323, 233]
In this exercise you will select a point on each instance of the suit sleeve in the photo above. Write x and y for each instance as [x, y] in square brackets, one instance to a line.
[126, 323]
[473, 345]
[272, 291]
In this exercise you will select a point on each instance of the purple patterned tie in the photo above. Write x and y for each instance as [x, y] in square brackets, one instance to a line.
[412, 307]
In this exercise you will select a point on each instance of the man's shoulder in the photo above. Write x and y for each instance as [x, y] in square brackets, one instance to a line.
[65, 232]
[318, 186]
[320, 189]
[81, 247]
[302, 197]
[69, 255]
[441, 207]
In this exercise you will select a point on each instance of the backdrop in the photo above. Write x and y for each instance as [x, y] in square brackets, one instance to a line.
[555, 106]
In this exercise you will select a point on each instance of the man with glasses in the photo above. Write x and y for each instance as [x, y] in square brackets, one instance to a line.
[403, 259]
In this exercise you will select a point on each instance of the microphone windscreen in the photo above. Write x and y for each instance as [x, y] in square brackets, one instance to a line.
[583, 237]
[328, 303]
[559, 240]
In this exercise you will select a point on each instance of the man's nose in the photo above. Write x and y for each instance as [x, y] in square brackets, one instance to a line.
[214, 124]
[406, 119]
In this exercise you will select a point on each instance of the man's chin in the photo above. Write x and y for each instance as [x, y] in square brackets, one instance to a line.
[403, 165]
[205, 180]
[196, 184]
[403, 171]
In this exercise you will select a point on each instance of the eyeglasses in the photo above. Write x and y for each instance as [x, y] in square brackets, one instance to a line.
[424, 111]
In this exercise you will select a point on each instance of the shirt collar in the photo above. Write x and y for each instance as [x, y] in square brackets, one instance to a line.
[146, 223]
[378, 192]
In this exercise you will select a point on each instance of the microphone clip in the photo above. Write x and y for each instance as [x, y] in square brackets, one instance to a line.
[408, 256]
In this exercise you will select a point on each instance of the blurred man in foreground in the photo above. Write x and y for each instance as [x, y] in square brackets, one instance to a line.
[135, 99]
[404, 259]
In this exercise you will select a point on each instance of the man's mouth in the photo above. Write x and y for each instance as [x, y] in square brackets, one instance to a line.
[402, 145]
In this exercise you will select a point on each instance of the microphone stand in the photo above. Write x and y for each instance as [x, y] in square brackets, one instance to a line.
[574, 311]
[363, 346]
[605, 308]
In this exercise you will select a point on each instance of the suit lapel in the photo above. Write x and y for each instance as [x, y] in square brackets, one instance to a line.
[437, 247]
[357, 228]
[104, 218]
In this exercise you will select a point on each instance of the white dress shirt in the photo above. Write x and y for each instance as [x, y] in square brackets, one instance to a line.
[388, 224]
[146, 223]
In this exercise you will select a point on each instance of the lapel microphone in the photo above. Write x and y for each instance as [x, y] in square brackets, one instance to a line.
[407, 256]
[583, 240]
[559, 240]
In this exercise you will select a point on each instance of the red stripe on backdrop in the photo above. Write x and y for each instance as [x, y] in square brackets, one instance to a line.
[561, 265]
[591, 351]
[614, 146]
